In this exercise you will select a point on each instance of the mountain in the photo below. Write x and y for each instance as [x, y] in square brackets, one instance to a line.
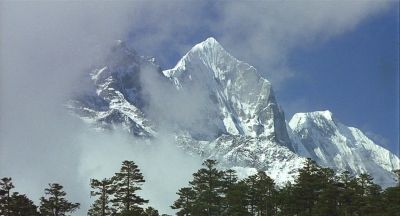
[219, 107]
[333, 144]
[245, 101]
[116, 97]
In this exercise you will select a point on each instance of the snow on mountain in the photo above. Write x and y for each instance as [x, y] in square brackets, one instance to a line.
[245, 100]
[238, 122]
[252, 129]
[247, 154]
[333, 144]
[117, 98]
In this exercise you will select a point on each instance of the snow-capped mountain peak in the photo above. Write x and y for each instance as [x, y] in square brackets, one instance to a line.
[333, 144]
[326, 114]
[209, 54]
[238, 121]
[245, 99]
[210, 43]
[302, 118]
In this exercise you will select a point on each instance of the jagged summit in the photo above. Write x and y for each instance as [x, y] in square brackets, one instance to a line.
[327, 114]
[316, 117]
[237, 119]
[245, 100]
[209, 43]
[208, 53]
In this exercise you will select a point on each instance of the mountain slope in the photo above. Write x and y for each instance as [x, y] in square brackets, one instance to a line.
[333, 144]
[224, 109]
[116, 97]
[245, 101]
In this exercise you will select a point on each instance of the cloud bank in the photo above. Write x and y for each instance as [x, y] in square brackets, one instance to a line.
[45, 47]
[261, 33]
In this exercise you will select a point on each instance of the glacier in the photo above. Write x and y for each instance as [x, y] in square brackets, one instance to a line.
[241, 124]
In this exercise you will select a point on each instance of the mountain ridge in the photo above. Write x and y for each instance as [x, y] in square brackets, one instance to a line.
[249, 127]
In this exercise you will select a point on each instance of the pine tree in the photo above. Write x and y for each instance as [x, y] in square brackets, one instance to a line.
[236, 200]
[150, 211]
[127, 182]
[307, 187]
[104, 190]
[265, 201]
[55, 204]
[317, 191]
[347, 188]
[251, 195]
[286, 200]
[5, 196]
[229, 180]
[328, 198]
[391, 198]
[185, 202]
[391, 201]
[207, 183]
[138, 211]
[370, 195]
[21, 205]
[133, 211]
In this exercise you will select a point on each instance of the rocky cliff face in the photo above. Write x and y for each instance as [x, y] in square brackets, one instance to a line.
[245, 102]
[238, 121]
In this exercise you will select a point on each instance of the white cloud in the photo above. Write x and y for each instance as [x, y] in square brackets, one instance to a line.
[45, 47]
[263, 33]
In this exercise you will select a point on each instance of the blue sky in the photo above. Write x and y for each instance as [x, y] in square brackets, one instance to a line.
[336, 55]
[341, 57]
[355, 75]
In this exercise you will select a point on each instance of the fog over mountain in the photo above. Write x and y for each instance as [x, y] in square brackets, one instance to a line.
[61, 63]
[219, 107]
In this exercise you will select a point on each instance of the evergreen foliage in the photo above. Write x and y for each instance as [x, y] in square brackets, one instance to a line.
[127, 182]
[15, 203]
[5, 196]
[317, 191]
[207, 184]
[150, 211]
[185, 202]
[103, 189]
[54, 202]
[20, 204]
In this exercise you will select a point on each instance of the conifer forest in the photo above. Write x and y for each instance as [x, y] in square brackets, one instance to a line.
[213, 192]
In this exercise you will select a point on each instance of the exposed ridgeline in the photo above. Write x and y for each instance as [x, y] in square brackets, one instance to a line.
[219, 107]
[330, 143]
[244, 101]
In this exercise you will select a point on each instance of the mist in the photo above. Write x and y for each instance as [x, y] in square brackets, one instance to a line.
[165, 168]
[46, 47]
[172, 109]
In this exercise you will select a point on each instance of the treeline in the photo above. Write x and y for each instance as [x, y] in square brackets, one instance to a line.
[212, 192]
[16, 204]
[316, 191]
[115, 196]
